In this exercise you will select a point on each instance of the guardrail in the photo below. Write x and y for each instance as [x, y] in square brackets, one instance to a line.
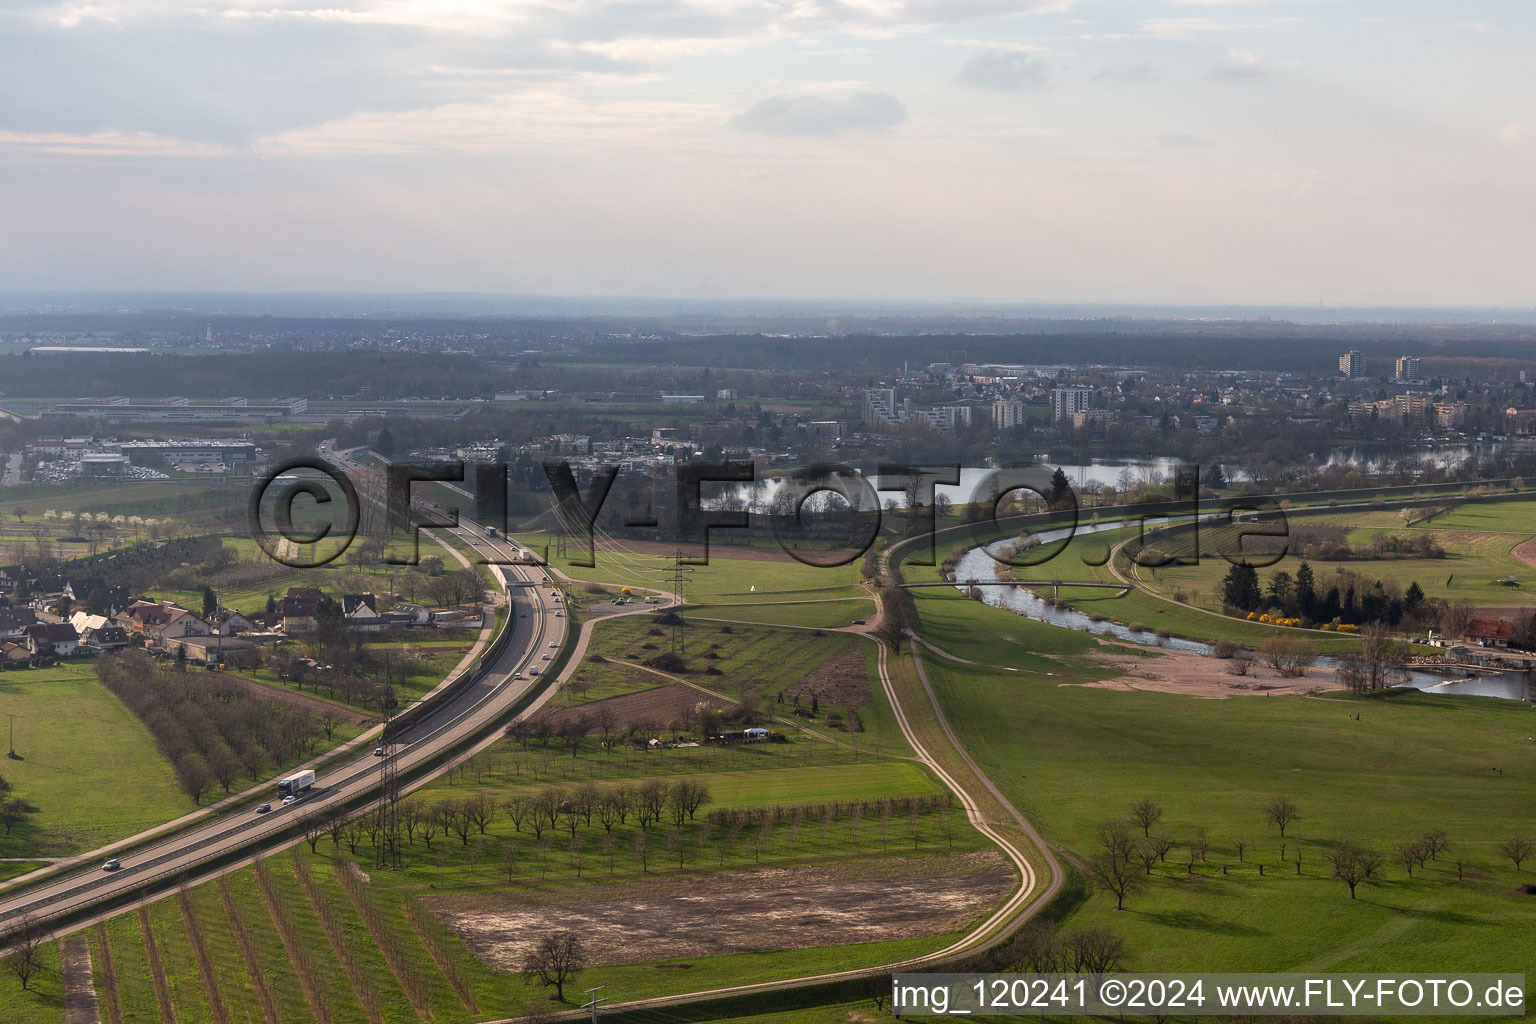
[443, 698]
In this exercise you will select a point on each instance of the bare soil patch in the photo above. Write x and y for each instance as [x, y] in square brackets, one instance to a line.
[751, 912]
[1197, 676]
[80, 1005]
[840, 680]
[656, 708]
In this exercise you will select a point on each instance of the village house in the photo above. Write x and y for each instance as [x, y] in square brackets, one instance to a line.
[228, 622]
[299, 607]
[55, 639]
[1490, 632]
[162, 620]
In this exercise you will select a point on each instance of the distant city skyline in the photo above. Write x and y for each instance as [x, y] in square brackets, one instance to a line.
[1179, 152]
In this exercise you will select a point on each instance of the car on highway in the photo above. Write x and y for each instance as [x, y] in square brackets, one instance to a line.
[534, 670]
[546, 657]
[290, 799]
[554, 645]
[263, 808]
[378, 751]
[112, 865]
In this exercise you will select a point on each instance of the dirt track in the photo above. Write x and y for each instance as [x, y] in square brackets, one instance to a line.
[694, 915]
[1525, 551]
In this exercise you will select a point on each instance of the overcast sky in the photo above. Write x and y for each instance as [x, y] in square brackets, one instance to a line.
[1179, 151]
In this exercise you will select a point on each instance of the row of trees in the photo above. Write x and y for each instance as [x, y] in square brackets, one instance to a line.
[1124, 860]
[207, 725]
[1345, 598]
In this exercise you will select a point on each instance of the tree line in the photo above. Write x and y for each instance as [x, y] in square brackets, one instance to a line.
[1343, 599]
[206, 725]
[1124, 861]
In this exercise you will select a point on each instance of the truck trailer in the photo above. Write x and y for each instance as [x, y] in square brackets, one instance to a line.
[298, 782]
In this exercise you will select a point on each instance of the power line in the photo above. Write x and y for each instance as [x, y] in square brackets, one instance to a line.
[594, 1000]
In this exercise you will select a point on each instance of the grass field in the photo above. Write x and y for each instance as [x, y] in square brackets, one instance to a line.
[85, 762]
[1477, 539]
[1071, 757]
[749, 658]
[723, 577]
[820, 614]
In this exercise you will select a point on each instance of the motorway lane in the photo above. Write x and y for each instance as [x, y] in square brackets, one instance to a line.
[469, 713]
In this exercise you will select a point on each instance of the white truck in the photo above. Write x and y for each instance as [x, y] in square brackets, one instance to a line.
[297, 783]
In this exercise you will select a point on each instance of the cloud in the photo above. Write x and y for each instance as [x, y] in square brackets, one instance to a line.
[1179, 28]
[1129, 74]
[822, 115]
[1005, 69]
[1514, 132]
[1183, 140]
[1241, 65]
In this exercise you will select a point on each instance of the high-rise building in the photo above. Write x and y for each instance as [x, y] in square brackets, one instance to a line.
[1067, 402]
[1408, 369]
[880, 406]
[1006, 413]
[1352, 365]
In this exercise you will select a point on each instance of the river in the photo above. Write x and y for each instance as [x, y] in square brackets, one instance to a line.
[978, 564]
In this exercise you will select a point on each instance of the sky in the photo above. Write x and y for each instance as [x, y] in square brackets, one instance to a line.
[1347, 152]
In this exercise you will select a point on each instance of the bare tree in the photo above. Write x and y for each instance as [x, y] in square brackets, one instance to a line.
[1241, 844]
[1412, 855]
[555, 960]
[1281, 811]
[481, 811]
[1516, 848]
[1288, 656]
[517, 809]
[1146, 812]
[1163, 845]
[1036, 948]
[1353, 865]
[1093, 951]
[1436, 843]
[25, 940]
[1377, 664]
[1145, 854]
[650, 802]
[1115, 875]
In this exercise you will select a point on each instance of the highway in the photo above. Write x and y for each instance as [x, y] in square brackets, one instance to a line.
[536, 633]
